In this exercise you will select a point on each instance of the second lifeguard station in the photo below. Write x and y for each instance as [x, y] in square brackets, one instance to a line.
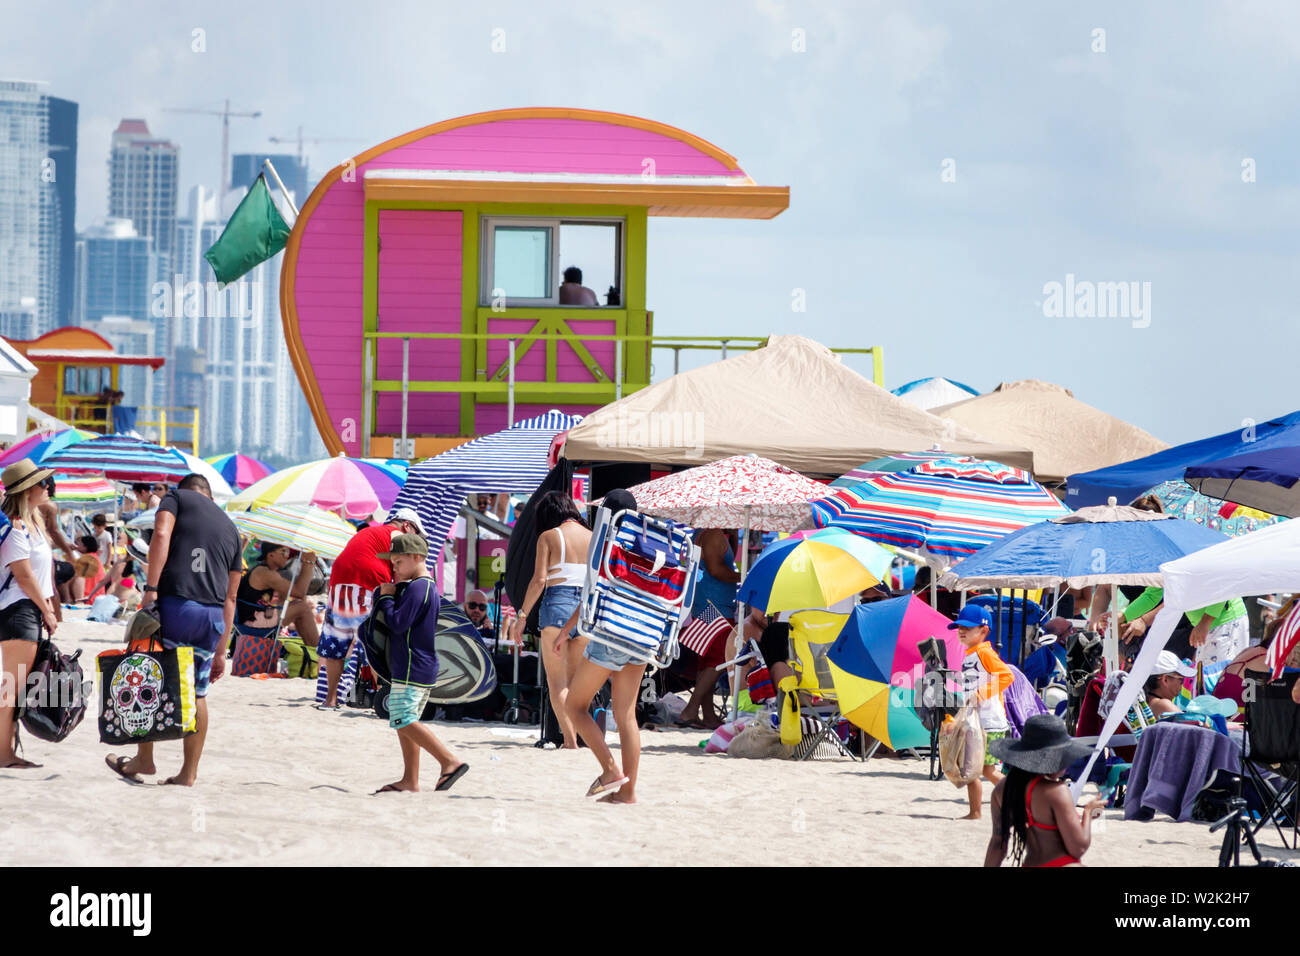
[416, 270]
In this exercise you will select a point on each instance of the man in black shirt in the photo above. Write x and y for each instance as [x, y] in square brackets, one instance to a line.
[194, 571]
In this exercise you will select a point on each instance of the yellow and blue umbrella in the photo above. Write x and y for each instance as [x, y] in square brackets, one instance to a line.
[814, 571]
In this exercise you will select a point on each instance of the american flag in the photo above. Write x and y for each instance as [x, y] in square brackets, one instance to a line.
[1284, 640]
[703, 629]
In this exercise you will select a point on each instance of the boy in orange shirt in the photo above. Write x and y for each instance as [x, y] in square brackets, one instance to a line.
[986, 675]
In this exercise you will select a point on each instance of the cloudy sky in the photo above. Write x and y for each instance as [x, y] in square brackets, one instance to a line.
[945, 163]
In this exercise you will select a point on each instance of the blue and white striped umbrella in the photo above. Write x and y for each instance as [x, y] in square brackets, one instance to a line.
[513, 460]
[120, 458]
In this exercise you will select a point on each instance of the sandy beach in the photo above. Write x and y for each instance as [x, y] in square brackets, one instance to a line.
[282, 783]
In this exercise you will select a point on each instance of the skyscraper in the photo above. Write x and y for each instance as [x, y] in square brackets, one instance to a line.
[38, 204]
[244, 168]
[142, 187]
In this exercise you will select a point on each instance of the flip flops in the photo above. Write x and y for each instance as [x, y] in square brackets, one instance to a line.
[116, 764]
[598, 789]
[448, 780]
[388, 788]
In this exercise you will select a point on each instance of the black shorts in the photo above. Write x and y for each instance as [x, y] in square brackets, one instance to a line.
[774, 643]
[63, 572]
[21, 621]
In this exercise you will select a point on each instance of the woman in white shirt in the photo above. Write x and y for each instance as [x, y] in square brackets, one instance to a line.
[26, 589]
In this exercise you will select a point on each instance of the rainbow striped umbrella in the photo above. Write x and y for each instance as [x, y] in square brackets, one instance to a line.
[880, 466]
[299, 526]
[36, 446]
[82, 489]
[120, 458]
[239, 471]
[950, 507]
[348, 486]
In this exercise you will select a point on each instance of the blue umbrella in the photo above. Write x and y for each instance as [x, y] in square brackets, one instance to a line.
[1104, 544]
[1266, 479]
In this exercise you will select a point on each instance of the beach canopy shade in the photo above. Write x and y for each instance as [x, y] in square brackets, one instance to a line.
[1267, 479]
[120, 458]
[1266, 561]
[346, 486]
[1181, 500]
[1127, 481]
[512, 460]
[930, 393]
[1103, 544]
[239, 471]
[947, 508]
[303, 527]
[41, 443]
[740, 491]
[793, 401]
[1065, 435]
[876, 666]
[814, 570]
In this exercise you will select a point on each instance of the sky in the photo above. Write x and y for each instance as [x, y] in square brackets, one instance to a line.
[947, 162]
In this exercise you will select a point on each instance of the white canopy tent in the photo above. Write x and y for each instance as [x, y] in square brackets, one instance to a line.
[1262, 562]
[16, 374]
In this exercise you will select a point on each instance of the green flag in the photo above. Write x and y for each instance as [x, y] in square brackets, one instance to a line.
[254, 234]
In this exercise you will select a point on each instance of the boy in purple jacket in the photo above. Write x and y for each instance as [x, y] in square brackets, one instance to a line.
[412, 618]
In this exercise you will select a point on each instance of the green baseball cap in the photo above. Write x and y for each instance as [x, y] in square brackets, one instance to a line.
[405, 544]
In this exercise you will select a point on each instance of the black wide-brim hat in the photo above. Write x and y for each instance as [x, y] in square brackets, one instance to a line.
[1045, 747]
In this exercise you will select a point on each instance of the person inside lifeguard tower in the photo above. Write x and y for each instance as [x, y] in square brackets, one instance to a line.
[573, 292]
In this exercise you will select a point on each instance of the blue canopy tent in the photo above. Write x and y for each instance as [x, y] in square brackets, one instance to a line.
[1128, 480]
[1267, 480]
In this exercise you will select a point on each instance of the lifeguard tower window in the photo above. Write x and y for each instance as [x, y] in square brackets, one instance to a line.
[526, 260]
[86, 380]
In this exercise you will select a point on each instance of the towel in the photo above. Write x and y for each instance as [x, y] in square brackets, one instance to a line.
[1172, 763]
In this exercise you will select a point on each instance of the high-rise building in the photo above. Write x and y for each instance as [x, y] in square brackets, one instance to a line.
[115, 273]
[142, 186]
[38, 205]
[245, 167]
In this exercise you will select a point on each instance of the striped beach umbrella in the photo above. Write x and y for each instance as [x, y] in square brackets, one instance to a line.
[949, 507]
[120, 458]
[82, 489]
[350, 487]
[304, 527]
[887, 465]
[239, 471]
[39, 444]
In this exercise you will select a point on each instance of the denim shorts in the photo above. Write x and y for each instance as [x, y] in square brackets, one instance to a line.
[558, 604]
[605, 656]
[406, 704]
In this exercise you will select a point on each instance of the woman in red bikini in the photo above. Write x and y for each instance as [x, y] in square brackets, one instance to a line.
[1033, 812]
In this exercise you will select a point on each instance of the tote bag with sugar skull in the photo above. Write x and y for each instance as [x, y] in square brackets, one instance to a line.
[146, 695]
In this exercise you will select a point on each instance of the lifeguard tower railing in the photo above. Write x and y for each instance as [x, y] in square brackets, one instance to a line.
[167, 425]
[500, 385]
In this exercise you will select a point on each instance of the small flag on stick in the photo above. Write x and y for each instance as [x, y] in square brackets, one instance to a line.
[256, 231]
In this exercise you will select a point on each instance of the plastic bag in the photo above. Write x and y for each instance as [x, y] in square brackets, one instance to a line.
[961, 745]
[757, 740]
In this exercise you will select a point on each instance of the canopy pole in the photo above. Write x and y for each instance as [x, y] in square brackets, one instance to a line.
[510, 388]
[367, 396]
[1110, 647]
[743, 545]
[406, 394]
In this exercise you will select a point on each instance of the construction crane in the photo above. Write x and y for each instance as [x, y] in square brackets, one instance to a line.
[313, 140]
[224, 183]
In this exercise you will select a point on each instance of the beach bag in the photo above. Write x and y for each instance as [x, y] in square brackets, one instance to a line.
[146, 695]
[961, 746]
[301, 660]
[757, 740]
[57, 691]
[255, 655]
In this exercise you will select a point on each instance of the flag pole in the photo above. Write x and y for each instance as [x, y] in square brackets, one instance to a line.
[279, 182]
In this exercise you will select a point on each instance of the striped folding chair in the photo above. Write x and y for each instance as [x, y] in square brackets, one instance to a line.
[639, 586]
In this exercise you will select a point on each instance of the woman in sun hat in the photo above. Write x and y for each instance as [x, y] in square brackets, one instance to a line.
[26, 589]
[1033, 812]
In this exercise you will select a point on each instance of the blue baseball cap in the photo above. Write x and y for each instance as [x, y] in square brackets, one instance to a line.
[972, 615]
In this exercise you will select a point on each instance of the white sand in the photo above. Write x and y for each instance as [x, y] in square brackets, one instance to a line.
[283, 783]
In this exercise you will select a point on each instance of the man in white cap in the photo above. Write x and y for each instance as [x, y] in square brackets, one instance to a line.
[1166, 683]
[353, 578]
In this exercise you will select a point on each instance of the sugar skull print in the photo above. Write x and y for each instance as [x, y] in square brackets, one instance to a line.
[136, 693]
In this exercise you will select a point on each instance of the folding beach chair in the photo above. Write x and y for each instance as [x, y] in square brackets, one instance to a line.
[811, 635]
[639, 586]
[1271, 755]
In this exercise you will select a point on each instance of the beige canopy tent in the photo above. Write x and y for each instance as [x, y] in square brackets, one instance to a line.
[1065, 435]
[792, 401]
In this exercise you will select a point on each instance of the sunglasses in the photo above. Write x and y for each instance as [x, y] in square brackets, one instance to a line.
[476, 606]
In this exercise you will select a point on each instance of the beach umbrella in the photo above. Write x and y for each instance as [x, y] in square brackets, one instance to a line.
[876, 666]
[239, 471]
[928, 393]
[221, 490]
[82, 489]
[120, 458]
[1267, 479]
[1101, 544]
[304, 527]
[947, 507]
[1180, 499]
[743, 490]
[347, 486]
[814, 570]
[41, 443]
[880, 466]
